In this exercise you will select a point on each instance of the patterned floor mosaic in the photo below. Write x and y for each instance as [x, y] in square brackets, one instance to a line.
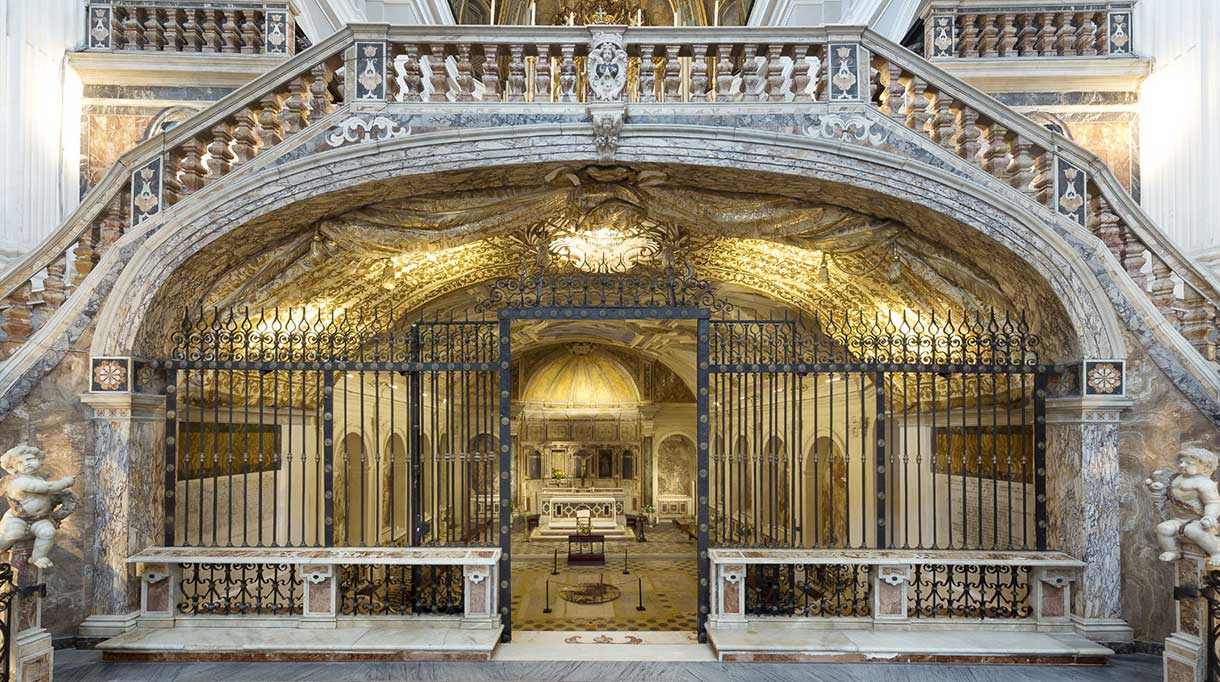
[663, 570]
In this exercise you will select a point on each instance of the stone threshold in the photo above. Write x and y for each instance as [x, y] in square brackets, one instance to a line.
[783, 642]
[381, 642]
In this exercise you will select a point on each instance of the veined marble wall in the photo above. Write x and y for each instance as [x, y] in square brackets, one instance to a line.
[53, 418]
[1159, 423]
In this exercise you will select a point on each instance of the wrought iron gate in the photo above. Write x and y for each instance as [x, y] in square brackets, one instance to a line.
[289, 429]
[877, 433]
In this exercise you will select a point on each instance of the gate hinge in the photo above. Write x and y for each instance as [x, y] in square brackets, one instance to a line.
[1181, 592]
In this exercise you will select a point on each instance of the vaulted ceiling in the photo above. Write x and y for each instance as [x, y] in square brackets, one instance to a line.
[769, 245]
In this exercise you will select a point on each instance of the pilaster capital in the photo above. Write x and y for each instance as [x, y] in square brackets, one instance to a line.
[125, 406]
[1086, 409]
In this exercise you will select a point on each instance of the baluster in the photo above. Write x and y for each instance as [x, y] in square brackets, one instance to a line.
[893, 98]
[698, 73]
[112, 224]
[171, 185]
[567, 73]
[989, 37]
[295, 114]
[673, 74]
[269, 131]
[84, 257]
[1046, 35]
[490, 73]
[822, 79]
[439, 77]
[154, 36]
[724, 72]
[173, 30]
[997, 158]
[191, 178]
[250, 42]
[544, 82]
[1162, 286]
[1021, 170]
[915, 104]
[775, 73]
[944, 120]
[1103, 223]
[1086, 35]
[1008, 35]
[229, 33]
[211, 32]
[800, 74]
[132, 33]
[969, 37]
[515, 88]
[1198, 323]
[465, 74]
[413, 77]
[751, 73]
[321, 100]
[1043, 182]
[1027, 39]
[53, 287]
[1133, 257]
[245, 139]
[967, 140]
[18, 319]
[648, 75]
[1065, 35]
[192, 37]
[221, 161]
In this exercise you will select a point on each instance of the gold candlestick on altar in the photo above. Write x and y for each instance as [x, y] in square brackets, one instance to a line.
[533, 13]
[715, 14]
[492, 21]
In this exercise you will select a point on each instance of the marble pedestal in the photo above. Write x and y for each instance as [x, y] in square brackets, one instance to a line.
[31, 656]
[1186, 648]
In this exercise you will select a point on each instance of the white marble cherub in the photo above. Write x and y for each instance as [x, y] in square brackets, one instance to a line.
[35, 505]
[1195, 499]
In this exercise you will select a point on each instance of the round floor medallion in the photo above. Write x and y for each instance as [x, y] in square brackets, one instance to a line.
[590, 593]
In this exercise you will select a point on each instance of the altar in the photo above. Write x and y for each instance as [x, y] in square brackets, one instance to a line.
[590, 510]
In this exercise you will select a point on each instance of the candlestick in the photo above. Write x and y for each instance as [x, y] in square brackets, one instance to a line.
[571, 18]
[493, 12]
[533, 13]
[639, 17]
[715, 15]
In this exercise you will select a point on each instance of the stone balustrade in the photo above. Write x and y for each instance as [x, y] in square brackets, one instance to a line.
[377, 66]
[200, 26]
[986, 29]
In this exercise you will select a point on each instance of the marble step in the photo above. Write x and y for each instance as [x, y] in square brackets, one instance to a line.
[790, 642]
[235, 640]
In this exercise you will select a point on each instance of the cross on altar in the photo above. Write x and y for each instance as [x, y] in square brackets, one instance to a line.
[600, 16]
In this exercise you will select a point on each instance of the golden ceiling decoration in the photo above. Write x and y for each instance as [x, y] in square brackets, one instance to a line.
[581, 376]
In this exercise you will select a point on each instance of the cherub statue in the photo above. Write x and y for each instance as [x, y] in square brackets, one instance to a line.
[1195, 500]
[35, 505]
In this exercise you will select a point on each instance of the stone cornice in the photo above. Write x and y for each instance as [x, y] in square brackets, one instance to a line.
[1052, 74]
[170, 69]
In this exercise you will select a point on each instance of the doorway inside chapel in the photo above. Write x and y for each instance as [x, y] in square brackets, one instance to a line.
[604, 540]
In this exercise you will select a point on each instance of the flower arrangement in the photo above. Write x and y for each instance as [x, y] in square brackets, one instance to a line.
[557, 474]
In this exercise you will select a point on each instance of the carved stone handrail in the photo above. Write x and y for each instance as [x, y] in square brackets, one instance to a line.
[200, 26]
[995, 29]
[519, 64]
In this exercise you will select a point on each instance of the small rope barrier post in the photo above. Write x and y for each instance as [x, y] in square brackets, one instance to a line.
[555, 563]
[625, 571]
[547, 608]
[639, 582]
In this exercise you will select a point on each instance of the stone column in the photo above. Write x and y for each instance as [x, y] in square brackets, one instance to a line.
[31, 657]
[730, 595]
[127, 471]
[480, 593]
[1082, 486]
[1185, 654]
[890, 592]
[321, 595]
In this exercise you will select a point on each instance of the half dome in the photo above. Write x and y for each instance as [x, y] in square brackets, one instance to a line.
[581, 375]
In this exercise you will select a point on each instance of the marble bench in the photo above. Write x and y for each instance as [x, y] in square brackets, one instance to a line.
[160, 569]
[903, 589]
